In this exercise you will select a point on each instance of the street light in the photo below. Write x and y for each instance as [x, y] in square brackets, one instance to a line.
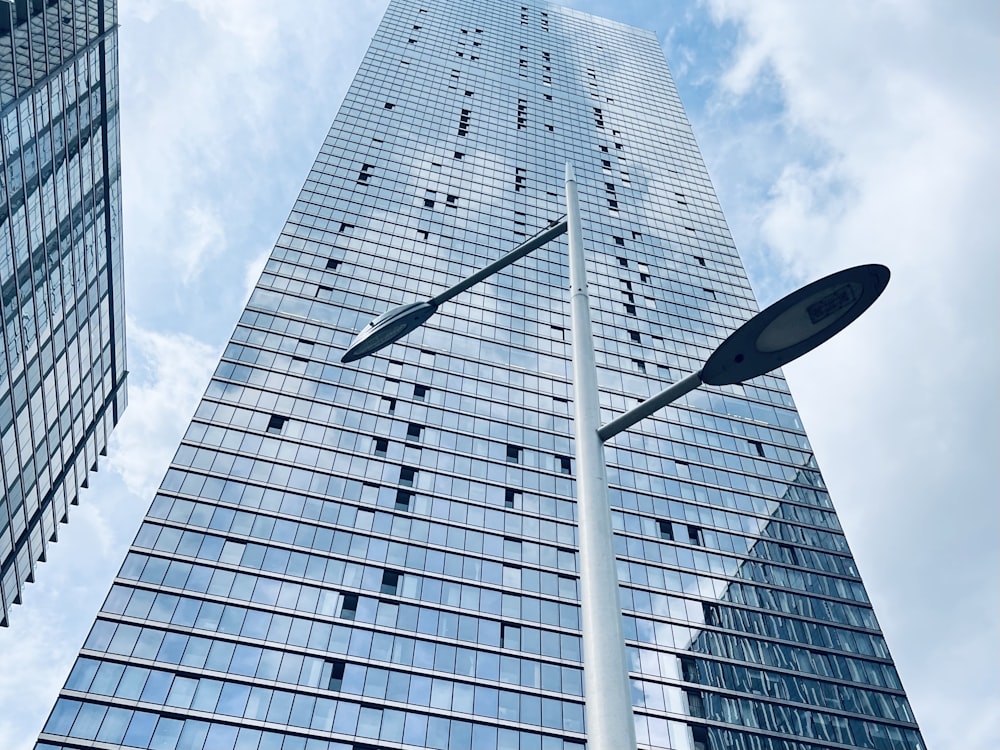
[773, 337]
[784, 331]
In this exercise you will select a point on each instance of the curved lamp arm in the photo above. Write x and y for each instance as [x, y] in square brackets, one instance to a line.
[393, 324]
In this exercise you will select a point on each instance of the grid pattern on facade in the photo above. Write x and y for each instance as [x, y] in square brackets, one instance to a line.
[62, 363]
[384, 554]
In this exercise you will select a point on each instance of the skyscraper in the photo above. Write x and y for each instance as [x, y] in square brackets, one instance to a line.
[62, 365]
[383, 554]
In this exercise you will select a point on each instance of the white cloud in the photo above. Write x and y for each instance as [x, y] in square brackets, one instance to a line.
[168, 377]
[899, 103]
[223, 107]
[202, 236]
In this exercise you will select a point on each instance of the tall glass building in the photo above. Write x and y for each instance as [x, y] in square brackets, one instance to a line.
[383, 554]
[62, 345]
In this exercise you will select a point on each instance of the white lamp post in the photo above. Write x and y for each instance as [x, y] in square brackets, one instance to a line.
[775, 336]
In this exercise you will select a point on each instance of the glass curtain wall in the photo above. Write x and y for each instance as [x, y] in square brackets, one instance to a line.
[62, 348]
[383, 554]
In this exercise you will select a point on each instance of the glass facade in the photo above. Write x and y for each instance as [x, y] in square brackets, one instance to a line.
[62, 362]
[383, 554]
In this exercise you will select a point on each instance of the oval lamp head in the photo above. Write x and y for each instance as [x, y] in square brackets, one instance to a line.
[387, 328]
[795, 325]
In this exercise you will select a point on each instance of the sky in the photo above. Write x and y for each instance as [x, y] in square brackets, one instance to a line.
[835, 133]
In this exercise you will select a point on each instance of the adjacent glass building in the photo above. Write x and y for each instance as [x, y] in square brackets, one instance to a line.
[62, 345]
[383, 554]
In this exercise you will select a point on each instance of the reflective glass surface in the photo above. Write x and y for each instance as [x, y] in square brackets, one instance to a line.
[62, 346]
[383, 554]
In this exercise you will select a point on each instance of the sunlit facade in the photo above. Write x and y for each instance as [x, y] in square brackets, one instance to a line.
[62, 361]
[383, 554]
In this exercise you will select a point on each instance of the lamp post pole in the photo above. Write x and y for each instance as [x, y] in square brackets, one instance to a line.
[608, 705]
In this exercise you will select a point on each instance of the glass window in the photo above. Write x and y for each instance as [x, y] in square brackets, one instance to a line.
[182, 692]
[346, 719]
[132, 683]
[63, 715]
[233, 699]
[113, 727]
[207, 695]
[140, 729]
[82, 674]
[193, 734]
[166, 734]
[157, 686]
[88, 721]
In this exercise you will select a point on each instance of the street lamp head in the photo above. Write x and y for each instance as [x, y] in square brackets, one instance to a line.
[795, 325]
[387, 328]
